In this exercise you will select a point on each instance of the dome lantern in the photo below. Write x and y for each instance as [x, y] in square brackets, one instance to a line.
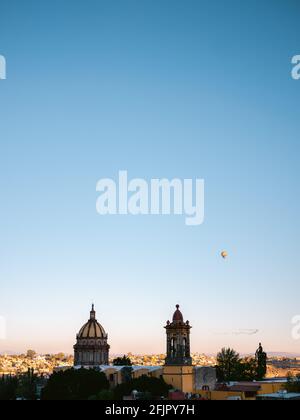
[93, 313]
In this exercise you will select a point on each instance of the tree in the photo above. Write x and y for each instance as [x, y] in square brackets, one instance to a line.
[261, 359]
[293, 383]
[27, 383]
[126, 373]
[31, 354]
[8, 387]
[60, 356]
[75, 385]
[122, 361]
[246, 370]
[151, 387]
[228, 365]
[105, 395]
[22, 386]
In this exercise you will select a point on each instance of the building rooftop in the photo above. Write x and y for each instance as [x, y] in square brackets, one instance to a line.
[245, 388]
[280, 396]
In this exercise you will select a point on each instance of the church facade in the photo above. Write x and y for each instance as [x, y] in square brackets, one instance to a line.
[92, 350]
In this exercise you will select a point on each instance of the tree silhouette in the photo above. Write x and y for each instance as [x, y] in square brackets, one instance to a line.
[293, 383]
[8, 387]
[150, 387]
[27, 383]
[75, 385]
[31, 354]
[105, 395]
[228, 365]
[122, 361]
[261, 359]
[22, 386]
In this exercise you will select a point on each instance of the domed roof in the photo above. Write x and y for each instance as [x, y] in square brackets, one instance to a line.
[177, 317]
[92, 329]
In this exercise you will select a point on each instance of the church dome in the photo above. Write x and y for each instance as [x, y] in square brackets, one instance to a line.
[92, 329]
[177, 317]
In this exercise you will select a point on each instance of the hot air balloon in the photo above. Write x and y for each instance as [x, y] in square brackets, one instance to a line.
[224, 254]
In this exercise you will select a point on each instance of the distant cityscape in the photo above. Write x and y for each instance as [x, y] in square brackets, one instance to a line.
[278, 366]
[177, 374]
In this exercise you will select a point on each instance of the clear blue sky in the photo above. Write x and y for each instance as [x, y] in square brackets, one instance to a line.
[161, 88]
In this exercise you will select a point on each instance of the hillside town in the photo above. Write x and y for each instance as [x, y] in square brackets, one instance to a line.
[278, 366]
[41, 364]
[176, 374]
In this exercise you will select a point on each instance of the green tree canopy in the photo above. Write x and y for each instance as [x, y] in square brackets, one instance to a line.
[293, 383]
[228, 364]
[230, 367]
[261, 360]
[8, 387]
[22, 386]
[149, 386]
[74, 384]
[27, 383]
[31, 354]
[122, 361]
[105, 395]
[246, 370]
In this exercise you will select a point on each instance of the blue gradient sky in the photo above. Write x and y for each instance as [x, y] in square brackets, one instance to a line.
[162, 88]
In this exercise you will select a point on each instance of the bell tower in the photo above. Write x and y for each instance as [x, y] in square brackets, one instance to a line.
[178, 341]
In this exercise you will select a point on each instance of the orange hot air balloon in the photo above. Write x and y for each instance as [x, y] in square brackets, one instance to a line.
[224, 254]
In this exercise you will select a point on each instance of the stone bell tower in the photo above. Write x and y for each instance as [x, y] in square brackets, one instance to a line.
[178, 341]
